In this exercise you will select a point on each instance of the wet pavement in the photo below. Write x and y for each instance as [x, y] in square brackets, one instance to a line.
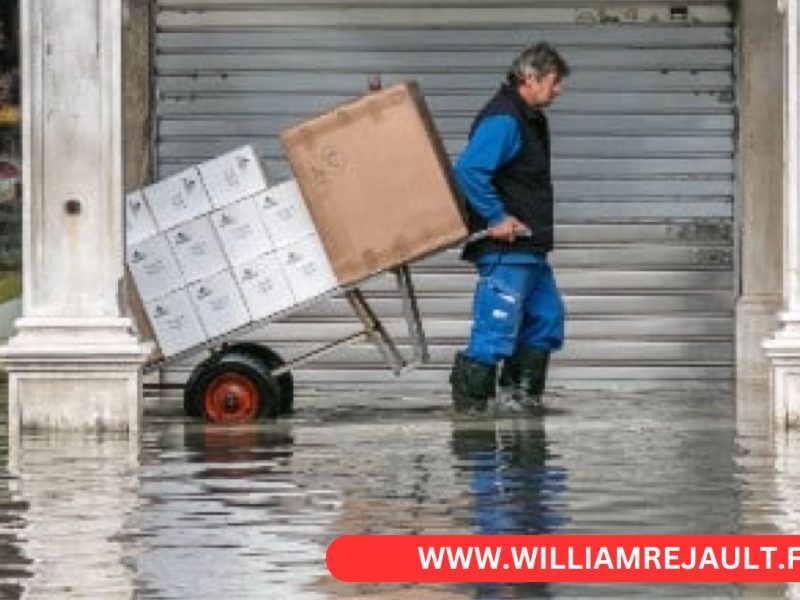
[198, 511]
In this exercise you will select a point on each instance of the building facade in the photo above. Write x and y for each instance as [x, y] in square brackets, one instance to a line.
[667, 157]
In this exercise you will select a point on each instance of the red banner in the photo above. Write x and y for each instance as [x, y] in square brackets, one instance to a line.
[565, 558]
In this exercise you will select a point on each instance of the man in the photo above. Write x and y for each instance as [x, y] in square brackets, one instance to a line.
[504, 172]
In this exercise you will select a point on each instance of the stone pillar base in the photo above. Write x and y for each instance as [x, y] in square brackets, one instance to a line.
[756, 320]
[74, 374]
[783, 351]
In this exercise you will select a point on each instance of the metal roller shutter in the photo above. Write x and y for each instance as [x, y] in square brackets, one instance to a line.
[643, 142]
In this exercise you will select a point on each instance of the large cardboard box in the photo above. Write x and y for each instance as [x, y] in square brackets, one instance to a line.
[377, 182]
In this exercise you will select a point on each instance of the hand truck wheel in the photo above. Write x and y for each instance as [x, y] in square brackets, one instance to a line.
[235, 387]
[192, 405]
[273, 360]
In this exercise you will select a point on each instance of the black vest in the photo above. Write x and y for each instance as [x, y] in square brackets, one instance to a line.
[524, 185]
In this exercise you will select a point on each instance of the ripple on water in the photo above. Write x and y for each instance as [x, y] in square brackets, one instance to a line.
[197, 511]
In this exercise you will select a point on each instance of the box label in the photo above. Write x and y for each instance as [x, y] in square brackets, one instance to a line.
[177, 199]
[139, 223]
[175, 324]
[307, 268]
[241, 231]
[197, 249]
[264, 286]
[153, 267]
[219, 304]
[233, 176]
[284, 213]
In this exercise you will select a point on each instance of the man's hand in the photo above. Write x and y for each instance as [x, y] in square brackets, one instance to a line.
[507, 229]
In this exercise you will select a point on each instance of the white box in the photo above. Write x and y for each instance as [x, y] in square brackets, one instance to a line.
[241, 232]
[197, 249]
[264, 286]
[283, 211]
[307, 268]
[174, 322]
[233, 176]
[219, 304]
[139, 223]
[177, 199]
[153, 267]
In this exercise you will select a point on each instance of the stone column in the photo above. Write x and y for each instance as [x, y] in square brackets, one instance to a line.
[760, 199]
[783, 349]
[73, 362]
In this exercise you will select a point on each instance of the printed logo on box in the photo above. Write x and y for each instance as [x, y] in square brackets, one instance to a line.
[139, 223]
[308, 269]
[202, 293]
[175, 323]
[233, 176]
[264, 286]
[197, 248]
[177, 199]
[284, 213]
[153, 267]
[242, 233]
[219, 304]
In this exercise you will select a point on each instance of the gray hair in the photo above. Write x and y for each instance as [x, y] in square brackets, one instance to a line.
[538, 60]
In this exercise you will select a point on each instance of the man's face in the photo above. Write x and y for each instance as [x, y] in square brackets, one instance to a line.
[541, 92]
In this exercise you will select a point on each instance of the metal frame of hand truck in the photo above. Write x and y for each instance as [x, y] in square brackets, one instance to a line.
[373, 330]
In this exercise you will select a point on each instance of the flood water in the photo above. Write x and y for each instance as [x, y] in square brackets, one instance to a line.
[196, 511]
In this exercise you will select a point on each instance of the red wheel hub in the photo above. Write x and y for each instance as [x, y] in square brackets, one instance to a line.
[231, 397]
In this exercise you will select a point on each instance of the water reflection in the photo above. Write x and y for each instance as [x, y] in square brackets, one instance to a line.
[15, 566]
[198, 511]
[223, 515]
[71, 496]
[515, 489]
[787, 471]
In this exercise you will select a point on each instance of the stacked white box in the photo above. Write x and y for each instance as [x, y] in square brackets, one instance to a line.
[284, 213]
[219, 304]
[175, 323]
[264, 286]
[233, 176]
[213, 248]
[153, 267]
[307, 268]
[177, 199]
[197, 249]
[241, 231]
[139, 223]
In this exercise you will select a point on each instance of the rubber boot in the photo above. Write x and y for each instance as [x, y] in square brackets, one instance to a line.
[473, 383]
[523, 376]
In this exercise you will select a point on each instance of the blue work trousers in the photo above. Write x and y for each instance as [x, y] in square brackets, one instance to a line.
[515, 304]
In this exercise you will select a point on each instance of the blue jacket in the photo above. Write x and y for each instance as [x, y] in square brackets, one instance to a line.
[505, 170]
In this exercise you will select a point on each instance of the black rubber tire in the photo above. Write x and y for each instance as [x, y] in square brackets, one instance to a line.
[242, 364]
[192, 401]
[273, 361]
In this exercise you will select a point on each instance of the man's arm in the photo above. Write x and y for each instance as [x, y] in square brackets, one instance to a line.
[495, 142]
